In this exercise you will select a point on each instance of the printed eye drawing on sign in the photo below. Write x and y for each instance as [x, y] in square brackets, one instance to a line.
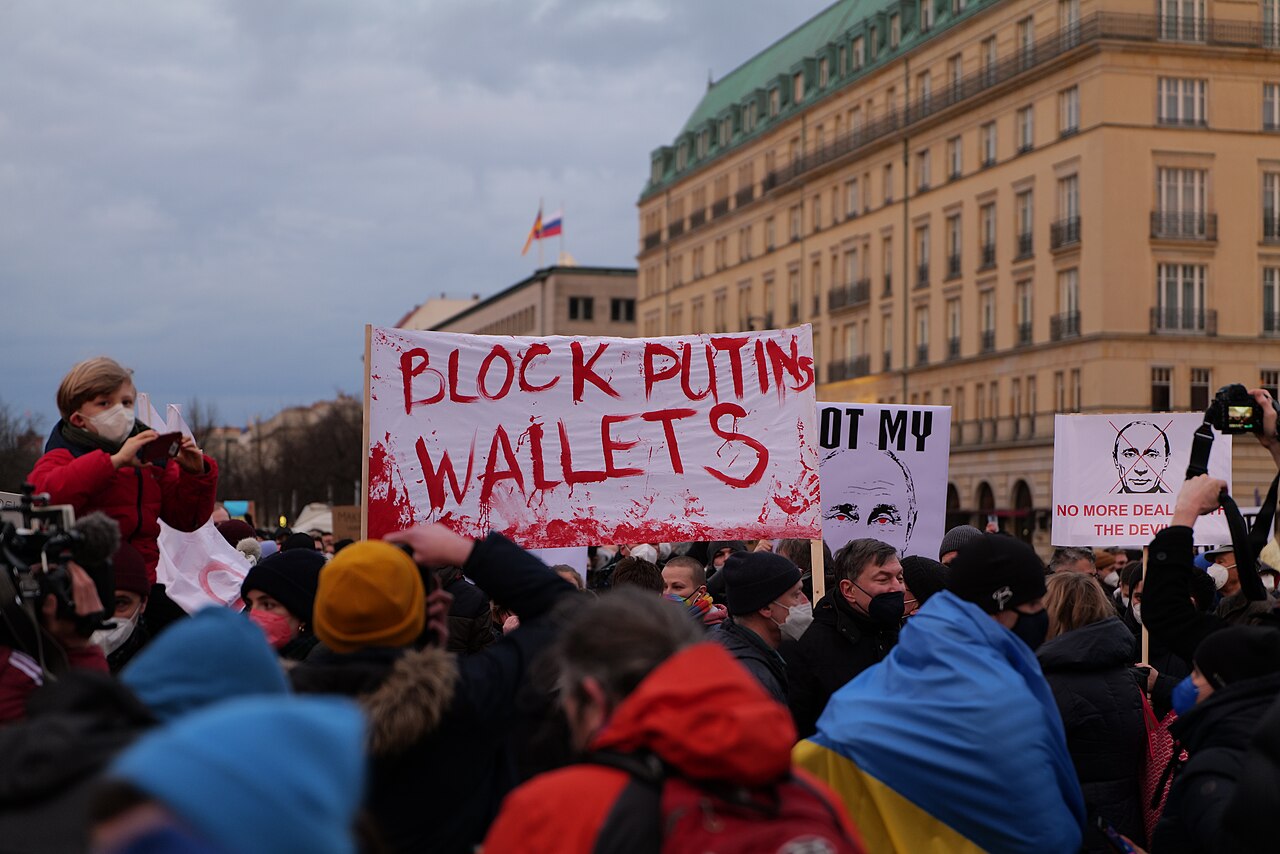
[1141, 455]
[873, 505]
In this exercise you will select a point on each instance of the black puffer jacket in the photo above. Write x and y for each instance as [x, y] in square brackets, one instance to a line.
[1251, 815]
[1216, 734]
[442, 756]
[764, 663]
[470, 620]
[1100, 700]
[837, 646]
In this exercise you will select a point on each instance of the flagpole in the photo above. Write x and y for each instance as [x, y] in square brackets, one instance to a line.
[561, 258]
[538, 237]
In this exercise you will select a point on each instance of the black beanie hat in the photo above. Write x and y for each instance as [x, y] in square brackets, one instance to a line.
[1238, 653]
[923, 577]
[299, 541]
[714, 547]
[996, 573]
[290, 578]
[754, 579]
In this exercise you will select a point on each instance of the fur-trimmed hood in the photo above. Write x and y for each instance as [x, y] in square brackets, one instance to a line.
[411, 702]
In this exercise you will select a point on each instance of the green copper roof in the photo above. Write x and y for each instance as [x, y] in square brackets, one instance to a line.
[804, 42]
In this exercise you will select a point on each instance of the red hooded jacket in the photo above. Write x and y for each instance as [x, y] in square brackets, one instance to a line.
[137, 498]
[700, 711]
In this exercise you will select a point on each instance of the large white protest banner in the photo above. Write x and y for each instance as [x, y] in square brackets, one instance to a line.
[884, 474]
[561, 441]
[1116, 477]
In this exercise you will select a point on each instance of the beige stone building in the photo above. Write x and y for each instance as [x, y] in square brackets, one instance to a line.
[555, 301]
[1012, 207]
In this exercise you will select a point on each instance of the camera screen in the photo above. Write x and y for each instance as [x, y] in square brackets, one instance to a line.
[1240, 414]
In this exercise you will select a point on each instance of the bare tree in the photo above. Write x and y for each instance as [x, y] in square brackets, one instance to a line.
[21, 442]
[202, 418]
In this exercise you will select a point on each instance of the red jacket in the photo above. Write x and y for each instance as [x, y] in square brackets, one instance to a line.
[700, 711]
[137, 498]
[20, 674]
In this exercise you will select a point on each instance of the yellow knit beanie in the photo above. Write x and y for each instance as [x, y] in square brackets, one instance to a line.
[370, 594]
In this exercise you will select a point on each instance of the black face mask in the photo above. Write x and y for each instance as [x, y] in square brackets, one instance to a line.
[1032, 628]
[886, 609]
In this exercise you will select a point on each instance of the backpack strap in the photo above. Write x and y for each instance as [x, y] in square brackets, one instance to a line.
[634, 823]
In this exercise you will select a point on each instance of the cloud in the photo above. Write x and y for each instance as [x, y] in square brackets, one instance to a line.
[221, 194]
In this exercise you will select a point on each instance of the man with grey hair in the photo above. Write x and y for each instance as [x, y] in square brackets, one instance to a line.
[1072, 559]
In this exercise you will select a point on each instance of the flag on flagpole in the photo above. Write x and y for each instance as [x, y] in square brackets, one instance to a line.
[534, 233]
[550, 226]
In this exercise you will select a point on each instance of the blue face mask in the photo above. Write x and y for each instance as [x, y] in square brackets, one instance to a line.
[1184, 696]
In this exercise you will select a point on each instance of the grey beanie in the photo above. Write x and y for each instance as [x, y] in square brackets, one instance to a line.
[955, 539]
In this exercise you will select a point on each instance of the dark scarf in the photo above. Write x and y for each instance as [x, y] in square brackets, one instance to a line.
[79, 436]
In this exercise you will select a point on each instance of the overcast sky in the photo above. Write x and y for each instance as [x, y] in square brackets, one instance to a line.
[220, 194]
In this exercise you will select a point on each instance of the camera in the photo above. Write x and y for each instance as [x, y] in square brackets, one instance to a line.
[1234, 411]
[39, 540]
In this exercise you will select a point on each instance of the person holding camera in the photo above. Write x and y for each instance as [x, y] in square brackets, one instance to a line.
[98, 458]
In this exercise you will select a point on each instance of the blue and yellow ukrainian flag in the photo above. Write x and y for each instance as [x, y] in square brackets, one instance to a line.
[953, 743]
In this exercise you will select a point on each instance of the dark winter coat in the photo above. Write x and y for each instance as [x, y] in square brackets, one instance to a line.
[49, 763]
[137, 498]
[442, 758]
[1167, 610]
[840, 644]
[753, 653]
[1250, 817]
[1216, 734]
[470, 617]
[1100, 700]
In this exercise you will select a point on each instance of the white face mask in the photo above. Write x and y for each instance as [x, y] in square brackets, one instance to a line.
[1218, 573]
[112, 639]
[114, 424]
[1137, 612]
[798, 619]
[1112, 579]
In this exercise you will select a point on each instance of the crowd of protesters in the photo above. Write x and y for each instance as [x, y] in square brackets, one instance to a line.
[432, 692]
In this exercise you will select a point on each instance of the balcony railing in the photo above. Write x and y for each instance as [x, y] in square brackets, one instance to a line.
[1271, 324]
[888, 284]
[849, 296]
[1270, 227]
[988, 256]
[1024, 334]
[848, 369]
[1026, 245]
[953, 266]
[719, 208]
[1096, 27]
[988, 340]
[744, 196]
[953, 348]
[922, 355]
[652, 239]
[675, 229]
[793, 313]
[1064, 232]
[1184, 226]
[697, 218]
[1197, 321]
[922, 275]
[1065, 325]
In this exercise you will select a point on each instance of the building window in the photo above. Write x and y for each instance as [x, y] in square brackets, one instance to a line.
[922, 256]
[1069, 111]
[1069, 22]
[955, 157]
[987, 314]
[923, 170]
[1181, 101]
[1022, 294]
[775, 102]
[1181, 20]
[1026, 41]
[873, 35]
[895, 31]
[1025, 237]
[955, 73]
[822, 73]
[1271, 299]
[989, 60]
[1200, 379]
[954, 241]
[1180, 200]
[1180, 297]
[922, 335]
[859, 53]
[888, 183]
[797, 221]
[1067, 323]
[797, 87]
[720, 311]
[988, 135]
[1026, 129]
[886, 263]
[581, 308]
[851, 197]
[953, 328]
[1271, 25]
[958, 6]
[1077, 395]
[886, 336]
[926, 15]
[987, 235]
[770, 234]
[623, 310]
[1271, 382]
[815, 213]
[1059, 391]
[1161, 389]
[682, 156]
[1271, 207]
[924, 84]
[1271, 105]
